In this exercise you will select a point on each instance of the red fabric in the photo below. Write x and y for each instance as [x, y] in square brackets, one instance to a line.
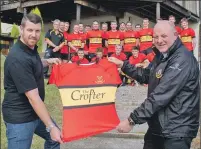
[84, 36]
[95, 40]
[113, 38]
[76, 40]
[121, 56]
[82, 61]
[141, 57]
[84, 121]
[150, 56]
[130, 38]
[94, 59]
[187, 36]
[178, 29]
[146, 38]
[64, 49]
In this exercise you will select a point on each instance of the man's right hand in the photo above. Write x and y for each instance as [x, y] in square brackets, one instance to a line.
[56, 49]
[118, 62]
[56, 135]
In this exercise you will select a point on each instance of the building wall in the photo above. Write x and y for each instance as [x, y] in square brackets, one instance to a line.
[192, 6]
[195, 26]
[6, 28]
[134, 19]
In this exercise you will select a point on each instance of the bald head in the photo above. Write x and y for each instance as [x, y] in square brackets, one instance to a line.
[164, 35]
[165, 25]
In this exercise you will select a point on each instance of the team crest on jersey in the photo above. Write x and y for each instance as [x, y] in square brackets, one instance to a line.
[159, 74]
[99, 80]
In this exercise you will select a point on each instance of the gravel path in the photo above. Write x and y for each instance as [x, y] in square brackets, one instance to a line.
[105, 143]
[127, 99]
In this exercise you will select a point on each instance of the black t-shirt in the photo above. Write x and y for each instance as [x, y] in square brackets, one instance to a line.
[57, 39]
[23, 71]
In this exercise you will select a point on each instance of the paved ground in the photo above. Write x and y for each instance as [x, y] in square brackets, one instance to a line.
[105, 143]
[127, 99]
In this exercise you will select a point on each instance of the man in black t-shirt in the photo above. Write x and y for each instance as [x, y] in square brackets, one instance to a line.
[55, 41]
[24, 112]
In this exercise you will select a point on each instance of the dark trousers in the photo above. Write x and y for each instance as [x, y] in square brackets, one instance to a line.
[158, 142]
[50, 54]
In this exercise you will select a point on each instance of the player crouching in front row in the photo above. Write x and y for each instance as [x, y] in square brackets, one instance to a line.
[139, 60]
[99, 55]
[79, 59]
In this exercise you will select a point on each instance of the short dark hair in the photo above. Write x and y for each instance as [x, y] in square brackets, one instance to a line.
[88, 25]
[171, 16]
[146, 19]
[138, 25]
[136, 48]
[184, 20]
[95, 21]
[34, 18]
[80, 49]
[122, 23]
[128, 22]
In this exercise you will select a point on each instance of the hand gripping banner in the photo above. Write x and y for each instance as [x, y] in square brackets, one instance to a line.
[88, 98]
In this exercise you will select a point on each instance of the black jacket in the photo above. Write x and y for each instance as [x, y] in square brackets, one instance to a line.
[172, 106]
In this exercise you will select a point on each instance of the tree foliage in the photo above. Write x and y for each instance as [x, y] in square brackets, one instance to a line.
[15, 32]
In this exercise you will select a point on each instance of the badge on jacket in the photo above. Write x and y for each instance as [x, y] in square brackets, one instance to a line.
[159, 74]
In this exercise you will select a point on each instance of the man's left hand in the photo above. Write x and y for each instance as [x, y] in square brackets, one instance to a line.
[124, 127]
[53, 61]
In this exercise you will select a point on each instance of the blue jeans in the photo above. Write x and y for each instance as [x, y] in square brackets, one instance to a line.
[20, 135]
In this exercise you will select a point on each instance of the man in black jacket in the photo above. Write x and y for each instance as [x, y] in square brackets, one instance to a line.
[172, 106]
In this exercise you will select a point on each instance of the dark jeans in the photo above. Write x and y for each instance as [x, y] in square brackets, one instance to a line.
[159, 142]
[20, 135]
[50, 54]
[128, 55]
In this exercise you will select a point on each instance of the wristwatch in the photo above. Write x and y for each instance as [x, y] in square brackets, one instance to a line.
[131, 122]
[48, 129]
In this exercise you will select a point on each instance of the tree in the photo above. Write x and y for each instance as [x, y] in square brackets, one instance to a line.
[40, 42]
[15, 32]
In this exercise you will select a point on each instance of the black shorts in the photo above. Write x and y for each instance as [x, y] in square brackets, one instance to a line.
[50, 54]
[110, 53]
[56, 54]
[64, 56]
[128, 55]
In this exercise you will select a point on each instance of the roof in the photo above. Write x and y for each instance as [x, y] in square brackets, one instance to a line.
[66, 9]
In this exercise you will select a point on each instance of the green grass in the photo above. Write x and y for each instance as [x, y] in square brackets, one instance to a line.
[52, 102]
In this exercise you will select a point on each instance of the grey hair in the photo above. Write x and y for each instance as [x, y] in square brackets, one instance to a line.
[34, 18]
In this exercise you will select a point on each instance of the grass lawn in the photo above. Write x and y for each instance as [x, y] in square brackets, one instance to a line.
[52, 102]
